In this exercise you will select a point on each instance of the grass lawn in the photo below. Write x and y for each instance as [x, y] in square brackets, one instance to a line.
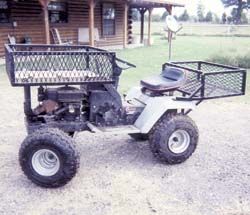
[149, 60]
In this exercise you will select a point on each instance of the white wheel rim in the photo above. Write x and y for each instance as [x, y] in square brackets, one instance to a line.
[45, 162]
[179, 141]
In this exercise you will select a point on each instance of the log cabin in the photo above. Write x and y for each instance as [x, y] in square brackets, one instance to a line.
[108, 22]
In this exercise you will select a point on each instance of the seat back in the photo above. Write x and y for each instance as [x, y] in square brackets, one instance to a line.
[174, 74]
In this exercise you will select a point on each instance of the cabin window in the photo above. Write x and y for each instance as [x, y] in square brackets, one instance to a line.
[108, 19]
[4, 11]
[58, 12]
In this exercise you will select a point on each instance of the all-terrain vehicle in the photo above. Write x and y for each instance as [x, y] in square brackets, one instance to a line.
[77, 91]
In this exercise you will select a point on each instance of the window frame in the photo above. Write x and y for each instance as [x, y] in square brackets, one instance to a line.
[8, 12]
[58, 11]
[114, 20]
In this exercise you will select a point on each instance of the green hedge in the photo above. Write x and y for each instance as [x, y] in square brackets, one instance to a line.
[240, 60]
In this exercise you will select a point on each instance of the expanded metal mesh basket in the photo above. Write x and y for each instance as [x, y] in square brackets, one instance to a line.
[56, 64]
[207, 80]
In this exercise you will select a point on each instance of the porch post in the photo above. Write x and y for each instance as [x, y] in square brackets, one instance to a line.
[149, 25]
[45, 4]
[125, 26]
[142, 12]
[91, 23]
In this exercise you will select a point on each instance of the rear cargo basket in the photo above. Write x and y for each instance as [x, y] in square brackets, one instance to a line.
[57, 64]
[207, 80]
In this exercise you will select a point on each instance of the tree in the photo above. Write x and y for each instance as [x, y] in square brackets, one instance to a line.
[238, 7]
[216, 19]
[229, 19]
[234, 16]
[209, 17]
[135, 15]
[154, 17]
[164, 15]
[200, 11]
[184, 17]
[175, 17]
[193, 18]
[244, 19]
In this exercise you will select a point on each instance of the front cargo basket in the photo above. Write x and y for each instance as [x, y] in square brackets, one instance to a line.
[207, 80]
[31, 65]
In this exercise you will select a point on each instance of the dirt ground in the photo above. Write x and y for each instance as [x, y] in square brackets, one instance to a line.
[120, 176]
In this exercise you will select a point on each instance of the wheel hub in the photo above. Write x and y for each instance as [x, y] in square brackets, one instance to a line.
[45, 162]
[179, 141]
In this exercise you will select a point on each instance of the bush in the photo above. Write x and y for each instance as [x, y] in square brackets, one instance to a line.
[157, 33]
[156, 18]
[227, 60]
[184, 17]
[240, 60]
[209, 17]
[244, 61]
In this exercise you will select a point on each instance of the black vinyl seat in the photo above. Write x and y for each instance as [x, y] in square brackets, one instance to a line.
[170, 79]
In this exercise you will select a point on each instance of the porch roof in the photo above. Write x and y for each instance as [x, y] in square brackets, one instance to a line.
[156, 3]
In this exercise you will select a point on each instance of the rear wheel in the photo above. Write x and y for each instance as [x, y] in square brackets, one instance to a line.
[49, 158]
[174, 138]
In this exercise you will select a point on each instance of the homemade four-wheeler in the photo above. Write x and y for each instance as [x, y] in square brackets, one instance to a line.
[77, 91]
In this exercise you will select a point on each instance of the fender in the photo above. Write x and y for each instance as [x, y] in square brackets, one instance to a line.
[156, 107]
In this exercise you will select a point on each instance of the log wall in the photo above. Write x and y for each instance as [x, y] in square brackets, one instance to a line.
[29, 18]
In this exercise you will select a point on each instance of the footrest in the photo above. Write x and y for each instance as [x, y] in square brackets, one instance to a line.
[123, 129]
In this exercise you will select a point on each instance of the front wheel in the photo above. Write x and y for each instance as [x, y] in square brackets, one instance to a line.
[174, 138]
[48, 158]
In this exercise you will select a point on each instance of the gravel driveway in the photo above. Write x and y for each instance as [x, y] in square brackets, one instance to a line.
[120, 176]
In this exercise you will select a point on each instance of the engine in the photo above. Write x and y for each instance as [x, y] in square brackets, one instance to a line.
[71, 104]
[106, 109]
[64, 103]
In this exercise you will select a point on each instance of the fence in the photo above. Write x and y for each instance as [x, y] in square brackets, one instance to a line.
[199, 29]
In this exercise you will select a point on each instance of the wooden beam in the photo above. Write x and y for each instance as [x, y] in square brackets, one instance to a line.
[150, 10]
[169, 9]
[142, 12]
[91, 22]
[45, 4]
[125, 26]
[46, 25]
